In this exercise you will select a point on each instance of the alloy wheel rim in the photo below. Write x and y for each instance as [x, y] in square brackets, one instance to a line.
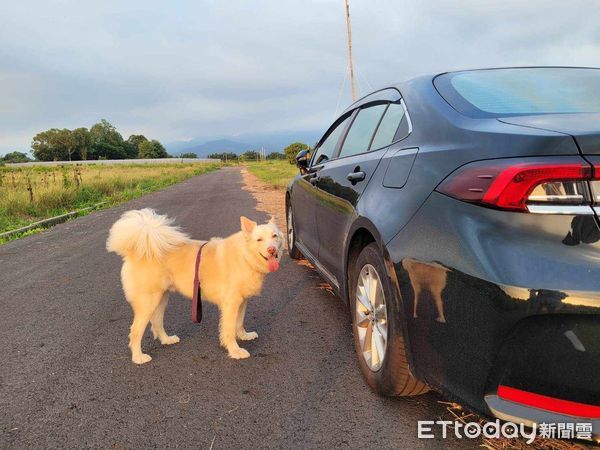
[371, 317]
[290, 229]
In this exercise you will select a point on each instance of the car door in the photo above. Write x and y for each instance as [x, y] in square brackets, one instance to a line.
[342, 180]
[304, 192]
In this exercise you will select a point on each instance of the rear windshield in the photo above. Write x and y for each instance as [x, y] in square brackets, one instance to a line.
[510, 92]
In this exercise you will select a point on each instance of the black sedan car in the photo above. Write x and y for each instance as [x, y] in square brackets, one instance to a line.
[458, 216]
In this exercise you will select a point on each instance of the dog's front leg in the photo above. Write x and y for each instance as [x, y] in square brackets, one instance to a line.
[228, 325]
[242, 334]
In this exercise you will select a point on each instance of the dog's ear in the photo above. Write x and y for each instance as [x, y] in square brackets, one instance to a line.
[247, 224]
[272, 220]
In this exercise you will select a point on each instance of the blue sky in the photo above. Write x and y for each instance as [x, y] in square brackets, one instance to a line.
[184, 69]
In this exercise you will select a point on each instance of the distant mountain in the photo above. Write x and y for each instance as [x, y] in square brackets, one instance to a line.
[271, 142]
[216, 146]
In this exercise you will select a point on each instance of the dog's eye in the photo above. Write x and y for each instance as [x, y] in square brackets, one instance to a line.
[274, 236]
[259, 239]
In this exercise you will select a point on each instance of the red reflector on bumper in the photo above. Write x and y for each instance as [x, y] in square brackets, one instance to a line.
[549, 403]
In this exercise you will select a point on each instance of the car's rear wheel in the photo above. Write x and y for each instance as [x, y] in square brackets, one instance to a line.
[291, 235]
[377, 328]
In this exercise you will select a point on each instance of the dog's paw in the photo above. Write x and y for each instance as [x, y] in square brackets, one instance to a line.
[143, 358]
[239, 353]
[170, 340]
[248, 336]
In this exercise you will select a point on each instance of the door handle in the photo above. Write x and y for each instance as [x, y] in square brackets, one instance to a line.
[355, 177]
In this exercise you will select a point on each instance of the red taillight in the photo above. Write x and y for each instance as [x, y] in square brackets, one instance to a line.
[513, 183]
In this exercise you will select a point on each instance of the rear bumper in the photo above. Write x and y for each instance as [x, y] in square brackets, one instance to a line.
[547, 370]
[494, 299]
[519, 412]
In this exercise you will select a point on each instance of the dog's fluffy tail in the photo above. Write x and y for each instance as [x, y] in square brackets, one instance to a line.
[144, 234]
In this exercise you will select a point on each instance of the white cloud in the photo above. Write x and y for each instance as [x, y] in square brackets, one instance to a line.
[176, 70]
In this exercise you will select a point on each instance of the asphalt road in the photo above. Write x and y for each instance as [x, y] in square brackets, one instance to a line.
[66, 378]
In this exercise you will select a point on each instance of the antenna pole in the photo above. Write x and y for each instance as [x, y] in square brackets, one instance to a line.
[350, 50]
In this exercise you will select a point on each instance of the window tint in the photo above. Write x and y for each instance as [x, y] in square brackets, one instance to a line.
[360, 133]
[388, 126]
[329, 145]
[522, 91]
[403, 129]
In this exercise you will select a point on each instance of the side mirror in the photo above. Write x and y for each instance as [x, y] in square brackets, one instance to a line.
[302, 159]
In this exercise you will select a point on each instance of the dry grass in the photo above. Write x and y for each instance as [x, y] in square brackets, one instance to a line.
[457, 414]
[31, 194]
[269, 199]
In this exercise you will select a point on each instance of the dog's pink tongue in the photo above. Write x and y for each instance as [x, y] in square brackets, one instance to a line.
[273, 263]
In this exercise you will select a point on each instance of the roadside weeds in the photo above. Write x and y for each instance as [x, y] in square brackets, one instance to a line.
[56, 201]
[457, 413]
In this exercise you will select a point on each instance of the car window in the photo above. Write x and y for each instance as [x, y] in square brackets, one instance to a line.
[386, 130]
[522, 91]
[328, 146]
[360, 133]
[403, 129]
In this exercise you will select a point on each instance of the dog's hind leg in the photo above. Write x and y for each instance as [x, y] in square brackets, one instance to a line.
[157, 321]
[227, 328]
[242, 334]
[439, 304]
[417, 291]
[143, 306]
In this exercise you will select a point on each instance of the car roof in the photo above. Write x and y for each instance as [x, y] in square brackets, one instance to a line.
[398, 86]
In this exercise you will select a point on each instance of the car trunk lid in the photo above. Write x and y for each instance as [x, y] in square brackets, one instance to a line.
[584, 127]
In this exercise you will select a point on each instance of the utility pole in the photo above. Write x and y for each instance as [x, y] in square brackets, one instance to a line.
[350, 50]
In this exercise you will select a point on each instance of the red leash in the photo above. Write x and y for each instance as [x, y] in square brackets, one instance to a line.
[197, 298]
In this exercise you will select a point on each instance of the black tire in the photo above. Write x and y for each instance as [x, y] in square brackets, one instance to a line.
[291, 239]
[393, 377]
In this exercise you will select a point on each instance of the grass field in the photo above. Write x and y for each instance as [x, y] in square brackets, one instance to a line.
[31, 194]
[277, 173]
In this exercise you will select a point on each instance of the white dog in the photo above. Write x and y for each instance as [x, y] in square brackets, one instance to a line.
[158, 258]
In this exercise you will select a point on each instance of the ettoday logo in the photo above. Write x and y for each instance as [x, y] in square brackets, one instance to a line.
[430, 429]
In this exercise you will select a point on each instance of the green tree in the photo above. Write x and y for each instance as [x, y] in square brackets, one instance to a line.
[83, 142]
[16, 157]
[152, 149]
[42, 146]
[276, 155]
[133, 142]
[226, 156]
[250, 155]
[66, 140]
[292, 150]
[189, 155]
[101, 141]
[53, 145]
[131, 150]
[107, 142]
